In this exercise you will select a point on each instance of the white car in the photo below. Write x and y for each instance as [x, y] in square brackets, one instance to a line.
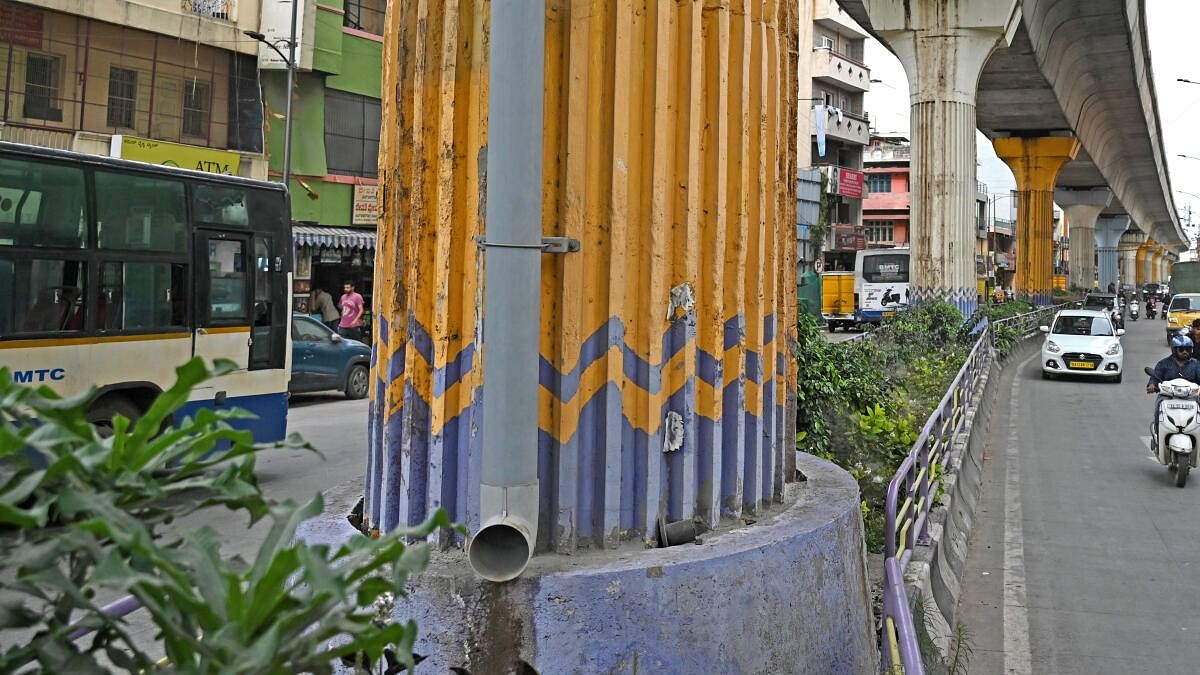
[1082, 342]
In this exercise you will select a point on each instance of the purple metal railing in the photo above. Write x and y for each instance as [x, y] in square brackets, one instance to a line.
[908, 499]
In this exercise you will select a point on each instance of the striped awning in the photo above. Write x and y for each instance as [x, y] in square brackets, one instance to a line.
[333, 237]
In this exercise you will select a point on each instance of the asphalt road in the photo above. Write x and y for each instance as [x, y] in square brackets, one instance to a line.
[333, 425]
[1084, 556]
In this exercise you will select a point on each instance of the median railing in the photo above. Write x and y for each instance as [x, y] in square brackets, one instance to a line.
[911, 492]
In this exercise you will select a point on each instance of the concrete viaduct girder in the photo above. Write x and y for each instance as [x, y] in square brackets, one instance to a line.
[1079, 67]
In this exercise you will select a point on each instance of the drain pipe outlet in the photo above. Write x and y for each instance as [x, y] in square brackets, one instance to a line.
[508, 491]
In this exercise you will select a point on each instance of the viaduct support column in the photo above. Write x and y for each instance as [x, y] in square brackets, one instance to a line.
[1083, 207]
[1129, 243]
[943, 53]
[1160, 263]
[1108, 237]
[1035, 163]
[1144, 253]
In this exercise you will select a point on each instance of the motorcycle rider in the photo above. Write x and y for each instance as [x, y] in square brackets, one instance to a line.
[1179, 364]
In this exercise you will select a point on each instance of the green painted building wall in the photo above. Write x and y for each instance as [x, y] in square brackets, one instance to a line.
[316, 200]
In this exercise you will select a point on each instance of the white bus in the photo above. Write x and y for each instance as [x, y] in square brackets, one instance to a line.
[113, 273]
[880, 282]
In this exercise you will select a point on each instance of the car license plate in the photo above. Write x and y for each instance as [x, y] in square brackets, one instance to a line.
[1085, 365]
[889, 314]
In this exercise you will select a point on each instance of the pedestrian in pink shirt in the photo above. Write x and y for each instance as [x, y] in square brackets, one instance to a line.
[350, 327]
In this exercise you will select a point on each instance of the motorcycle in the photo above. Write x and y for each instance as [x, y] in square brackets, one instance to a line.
[1176, 431]
[1151, 309]
[1133, 310]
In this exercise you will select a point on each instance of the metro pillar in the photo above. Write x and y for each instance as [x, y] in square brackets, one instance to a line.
[1143, 261]
[1035, 163]
[1083, 207]
[1128, 246]
[943, 54]
[1108, 237]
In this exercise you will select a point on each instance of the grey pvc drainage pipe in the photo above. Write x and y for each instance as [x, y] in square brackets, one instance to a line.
[508, 491]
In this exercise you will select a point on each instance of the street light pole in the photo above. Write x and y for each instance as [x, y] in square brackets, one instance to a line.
[291, 75]
[290, 60]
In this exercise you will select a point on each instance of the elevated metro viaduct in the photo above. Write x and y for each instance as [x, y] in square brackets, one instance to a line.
[1064, 90]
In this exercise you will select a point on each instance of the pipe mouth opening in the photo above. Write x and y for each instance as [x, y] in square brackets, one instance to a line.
[500, 552]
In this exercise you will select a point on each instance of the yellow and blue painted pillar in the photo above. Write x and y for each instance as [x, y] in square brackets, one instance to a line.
[666, 386]
[1035, 163]
[1145, 256]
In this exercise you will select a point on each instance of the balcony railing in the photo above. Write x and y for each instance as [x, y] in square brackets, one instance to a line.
[214, 9]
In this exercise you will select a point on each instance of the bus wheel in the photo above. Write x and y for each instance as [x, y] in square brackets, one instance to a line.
[109, 406]
[358, 382]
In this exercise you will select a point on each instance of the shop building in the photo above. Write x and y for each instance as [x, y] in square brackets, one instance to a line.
[335, 141]
[172, 84]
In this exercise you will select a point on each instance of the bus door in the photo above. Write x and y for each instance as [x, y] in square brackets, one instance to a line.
[269, 315]
[224, 307]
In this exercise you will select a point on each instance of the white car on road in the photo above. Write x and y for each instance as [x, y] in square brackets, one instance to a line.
[1082, 342]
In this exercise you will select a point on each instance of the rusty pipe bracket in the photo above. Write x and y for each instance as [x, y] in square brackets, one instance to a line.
[548, 245]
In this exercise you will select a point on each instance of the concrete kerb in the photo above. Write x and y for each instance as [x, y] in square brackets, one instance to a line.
[722, 606]
[935, 571]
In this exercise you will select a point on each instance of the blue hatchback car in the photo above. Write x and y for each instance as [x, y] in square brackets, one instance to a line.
[323, 360]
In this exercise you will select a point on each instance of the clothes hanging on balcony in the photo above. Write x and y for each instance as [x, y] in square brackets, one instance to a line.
[820, 119]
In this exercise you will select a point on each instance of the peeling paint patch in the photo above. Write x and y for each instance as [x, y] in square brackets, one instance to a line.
[682, 297]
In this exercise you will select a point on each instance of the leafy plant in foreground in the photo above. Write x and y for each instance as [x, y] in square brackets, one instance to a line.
[85, 517]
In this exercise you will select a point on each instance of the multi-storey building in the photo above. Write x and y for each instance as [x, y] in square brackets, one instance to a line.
[181, 83]
[840, 128]
[886, 207]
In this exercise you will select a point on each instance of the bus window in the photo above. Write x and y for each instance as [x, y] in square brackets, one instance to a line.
[885, 268]
[227, 279]
[221, 205]
[41, 296]
[142, 296]
[41, 204]
[140, 213]
[238, 207]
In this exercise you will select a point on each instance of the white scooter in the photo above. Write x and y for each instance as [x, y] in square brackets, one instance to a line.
[1175, 435]
[1133, 310]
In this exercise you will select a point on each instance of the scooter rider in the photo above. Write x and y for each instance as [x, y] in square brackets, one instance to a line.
[1179, 364]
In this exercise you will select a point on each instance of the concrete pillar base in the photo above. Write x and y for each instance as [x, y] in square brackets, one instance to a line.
[788, 594]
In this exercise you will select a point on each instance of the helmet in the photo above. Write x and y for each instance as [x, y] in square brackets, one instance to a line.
[1181, 342]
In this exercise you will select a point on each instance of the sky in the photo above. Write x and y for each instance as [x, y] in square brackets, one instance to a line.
[1172, 32]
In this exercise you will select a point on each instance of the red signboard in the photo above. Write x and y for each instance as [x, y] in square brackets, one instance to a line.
[850, 183]
[20, 24]
[849, 238]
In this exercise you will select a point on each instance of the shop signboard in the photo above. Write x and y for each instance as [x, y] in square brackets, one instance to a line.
[850, 183]
[366, 205]
[20, 25]
[276, 27]
[849, 237]
[175, 154]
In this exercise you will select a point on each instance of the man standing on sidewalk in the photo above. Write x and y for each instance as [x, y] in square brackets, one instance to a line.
[322, 303]
[350, 327]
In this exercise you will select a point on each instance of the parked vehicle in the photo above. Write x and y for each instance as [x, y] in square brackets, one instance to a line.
[323, 360]
[838, 300]
[1082, 342]
[1176, 430]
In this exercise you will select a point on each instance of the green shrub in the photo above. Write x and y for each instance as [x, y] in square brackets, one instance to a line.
[84, 517]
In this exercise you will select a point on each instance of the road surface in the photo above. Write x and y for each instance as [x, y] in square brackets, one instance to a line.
[1084, 557]
[335, 426]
